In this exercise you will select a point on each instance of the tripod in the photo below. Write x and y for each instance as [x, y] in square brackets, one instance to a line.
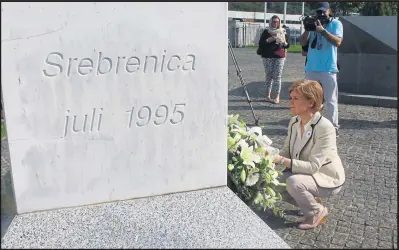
[242, 82]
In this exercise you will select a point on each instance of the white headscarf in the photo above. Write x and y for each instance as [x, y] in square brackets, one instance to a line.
[278, 31]
[271, 21]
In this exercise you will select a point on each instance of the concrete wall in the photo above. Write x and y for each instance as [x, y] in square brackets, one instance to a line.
[368, 56]
[368, 74]
[383, 28]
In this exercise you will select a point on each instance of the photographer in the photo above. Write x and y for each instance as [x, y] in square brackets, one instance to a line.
[322, 40]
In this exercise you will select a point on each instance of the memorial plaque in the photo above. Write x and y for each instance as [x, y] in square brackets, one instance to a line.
[112, 101]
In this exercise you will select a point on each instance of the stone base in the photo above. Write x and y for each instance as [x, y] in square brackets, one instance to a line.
[212, 218]
[368, 100]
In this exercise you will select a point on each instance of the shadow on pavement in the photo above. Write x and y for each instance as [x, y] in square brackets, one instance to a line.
[283, 122]
[274, 131]
[247, 107]
[258, 90]
[275, 222]
[8, 206]
[364, 124]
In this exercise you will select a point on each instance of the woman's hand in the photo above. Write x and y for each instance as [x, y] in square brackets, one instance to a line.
[278, 158]
[271, 39]
[319, 27]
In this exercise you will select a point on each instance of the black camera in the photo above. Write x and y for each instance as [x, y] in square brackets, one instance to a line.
[309, 22]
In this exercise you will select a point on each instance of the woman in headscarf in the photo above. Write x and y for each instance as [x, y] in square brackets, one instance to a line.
[272, 48]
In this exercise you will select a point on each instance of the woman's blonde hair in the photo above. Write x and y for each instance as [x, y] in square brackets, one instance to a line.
[311, 90]
[271, 20]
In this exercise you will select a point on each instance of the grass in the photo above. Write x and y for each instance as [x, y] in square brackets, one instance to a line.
[295, 49]
[292, 49]
[3, 129]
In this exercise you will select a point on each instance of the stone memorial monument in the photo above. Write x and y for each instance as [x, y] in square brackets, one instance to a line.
[116, 120]
[368, 60]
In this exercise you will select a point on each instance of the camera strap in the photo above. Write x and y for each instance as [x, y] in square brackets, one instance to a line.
[314, 40]
[320, 37]
[319, 41]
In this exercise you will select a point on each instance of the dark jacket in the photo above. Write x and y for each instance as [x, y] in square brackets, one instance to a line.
[271, 50]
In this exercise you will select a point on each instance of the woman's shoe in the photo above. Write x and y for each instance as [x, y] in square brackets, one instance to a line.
[277, 99]
[314, 221]
[274, 101]
[300, 213]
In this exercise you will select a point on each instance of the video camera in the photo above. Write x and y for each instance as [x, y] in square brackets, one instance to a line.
[309, 22]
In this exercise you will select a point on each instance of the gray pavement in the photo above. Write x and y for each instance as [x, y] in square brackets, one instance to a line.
[364, 213]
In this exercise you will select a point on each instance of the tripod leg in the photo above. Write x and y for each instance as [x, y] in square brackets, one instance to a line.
[242, 83]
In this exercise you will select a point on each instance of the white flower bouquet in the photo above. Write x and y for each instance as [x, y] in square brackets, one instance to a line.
[251, 172]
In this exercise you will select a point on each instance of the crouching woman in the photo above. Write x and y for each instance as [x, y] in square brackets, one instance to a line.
[313, 167]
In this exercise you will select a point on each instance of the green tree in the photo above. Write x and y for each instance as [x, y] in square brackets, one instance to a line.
[340, 8]
[344, 8]
[364, 8]
[379, 9]
[247, 6]
[272, 7]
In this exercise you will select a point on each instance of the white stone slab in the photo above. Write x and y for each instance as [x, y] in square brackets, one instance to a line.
[115, 156]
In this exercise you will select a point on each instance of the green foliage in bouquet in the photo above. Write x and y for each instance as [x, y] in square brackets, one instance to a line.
[251, 173]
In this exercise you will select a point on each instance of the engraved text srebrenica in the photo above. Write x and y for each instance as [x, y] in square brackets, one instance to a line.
[57, 63]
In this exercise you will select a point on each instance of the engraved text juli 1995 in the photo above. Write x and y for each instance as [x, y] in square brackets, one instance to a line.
[57, 64]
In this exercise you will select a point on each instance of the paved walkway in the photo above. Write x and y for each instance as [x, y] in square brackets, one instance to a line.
[364, 213]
